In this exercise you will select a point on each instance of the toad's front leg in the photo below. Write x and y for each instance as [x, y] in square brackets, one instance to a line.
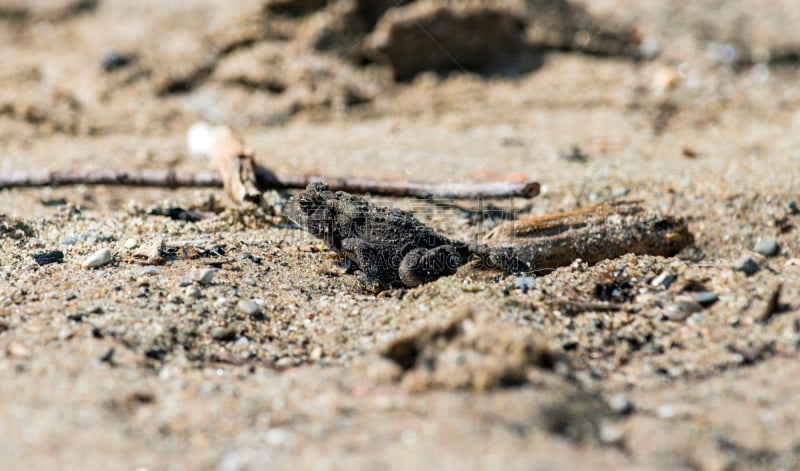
[423, 265]
[373, 270]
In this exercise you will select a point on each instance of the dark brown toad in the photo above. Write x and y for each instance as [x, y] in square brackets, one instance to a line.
[390, 248]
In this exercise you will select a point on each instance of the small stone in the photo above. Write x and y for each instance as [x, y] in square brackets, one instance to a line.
[148, 271]
[204, 276]
[666, 411]
[69, 240]
[130, 243]
[746, 265]
[695, 319]
[525, 283]
[684, 307]
[664, 280]
[249, 281]
[795, 210]
[248, 307]
[611, 434]
[97, 259]
[18, 350]
[114, 60]
[706, 298]
[223, 334]
[767, 247]
[621, 404]
[193, 292]
[46, 258]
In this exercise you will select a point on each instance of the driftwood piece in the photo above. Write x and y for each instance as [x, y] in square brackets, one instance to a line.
[595, 233]
[266, 180]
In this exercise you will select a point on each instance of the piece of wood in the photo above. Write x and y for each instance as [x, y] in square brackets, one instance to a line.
[595, 233]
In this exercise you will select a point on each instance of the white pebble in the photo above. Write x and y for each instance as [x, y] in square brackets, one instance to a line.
[192, 292]
[130, 243]
[248, 307]
[97, 259]
[204, 276]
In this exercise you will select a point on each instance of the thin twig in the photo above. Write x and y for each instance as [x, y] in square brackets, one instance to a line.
[267, 180]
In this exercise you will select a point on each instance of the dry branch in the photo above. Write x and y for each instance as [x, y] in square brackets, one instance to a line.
[266, 180]
[595, 233]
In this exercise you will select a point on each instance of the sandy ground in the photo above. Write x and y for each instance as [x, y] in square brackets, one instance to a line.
[282, 360]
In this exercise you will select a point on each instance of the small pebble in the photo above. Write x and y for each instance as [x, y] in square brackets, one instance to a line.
[223, 334]
[148, 271]
[69, 240]
[249, 281]
[795, 210]
[204, 276]
[193, 292]
[706, 298]
[684, 307]
[525, 283]
[130, 243]
[767, 247]
[611, 434]
[97, 259]
[114, 60]
[664, 280]
[621, 404]
[46, 258]
[746, 265]
[695, 319]
[248, 307]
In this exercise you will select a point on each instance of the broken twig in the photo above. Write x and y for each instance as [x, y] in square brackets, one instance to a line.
[266, 180]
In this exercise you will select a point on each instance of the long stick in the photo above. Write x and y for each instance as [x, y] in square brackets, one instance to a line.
[267, 180]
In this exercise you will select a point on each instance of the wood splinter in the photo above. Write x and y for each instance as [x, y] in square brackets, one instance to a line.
[235, 162]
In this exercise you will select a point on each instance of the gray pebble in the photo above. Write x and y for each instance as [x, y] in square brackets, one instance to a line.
[249, 281]
[746, 265]
[223, 334]
[193, 292]
[148, 271]
[248, 307]
[664, 280]
[204, 276]
[69, 240]
[525, 283]
[767, 247]
[793, 207]
[684, 307]
[706, 298]
[695, 319]
[97, 259]
[621, 404]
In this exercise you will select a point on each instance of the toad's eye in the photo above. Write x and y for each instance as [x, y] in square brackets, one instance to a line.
[304, 202]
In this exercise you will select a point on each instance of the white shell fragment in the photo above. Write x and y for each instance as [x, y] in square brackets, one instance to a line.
[97, 259]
